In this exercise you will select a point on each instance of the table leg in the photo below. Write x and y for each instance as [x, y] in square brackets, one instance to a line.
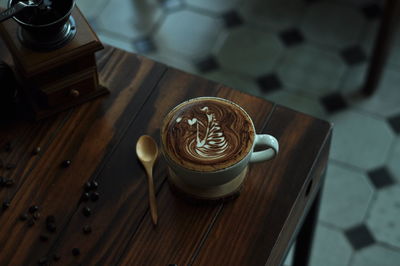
[383, 42]
[305, 236]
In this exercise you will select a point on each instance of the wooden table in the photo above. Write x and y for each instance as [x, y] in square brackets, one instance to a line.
[99, 140]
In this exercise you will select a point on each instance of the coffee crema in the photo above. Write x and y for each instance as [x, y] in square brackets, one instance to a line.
[207, 134]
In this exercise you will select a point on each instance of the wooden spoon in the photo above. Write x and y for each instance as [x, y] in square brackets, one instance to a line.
[147, 152]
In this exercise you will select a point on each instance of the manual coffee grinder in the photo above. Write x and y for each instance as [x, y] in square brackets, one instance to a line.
[53, 48]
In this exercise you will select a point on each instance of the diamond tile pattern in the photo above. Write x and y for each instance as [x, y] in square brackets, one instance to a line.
[359, 237]
[291, 37]
[394, 122]
[393, 162]
[232, 19]
[334, 102]
[297, 53]
[269, 82]
[381, 177]
[372, 10]
[207, 64]
[353, 55]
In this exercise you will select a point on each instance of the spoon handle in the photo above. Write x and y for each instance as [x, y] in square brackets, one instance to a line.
[152, 196]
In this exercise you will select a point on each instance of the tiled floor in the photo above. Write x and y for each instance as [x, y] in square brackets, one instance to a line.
[310, 55]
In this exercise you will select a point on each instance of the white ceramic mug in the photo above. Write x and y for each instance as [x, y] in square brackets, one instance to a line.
[219, 177]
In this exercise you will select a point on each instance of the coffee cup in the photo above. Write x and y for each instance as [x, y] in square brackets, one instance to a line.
[209, 141]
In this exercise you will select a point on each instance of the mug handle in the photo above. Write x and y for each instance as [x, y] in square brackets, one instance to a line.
[271, 150]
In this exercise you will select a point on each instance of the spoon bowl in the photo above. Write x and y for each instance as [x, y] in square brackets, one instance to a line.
[146, 148]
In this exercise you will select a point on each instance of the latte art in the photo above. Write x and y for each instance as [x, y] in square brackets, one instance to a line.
[213, 145]
[207, 134]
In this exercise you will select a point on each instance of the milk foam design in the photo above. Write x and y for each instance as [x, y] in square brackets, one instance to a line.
[209, 143]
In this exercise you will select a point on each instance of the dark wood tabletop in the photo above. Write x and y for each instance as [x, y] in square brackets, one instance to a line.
[99, 137]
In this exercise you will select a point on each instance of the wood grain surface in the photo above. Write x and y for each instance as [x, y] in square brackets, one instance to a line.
[99, 139]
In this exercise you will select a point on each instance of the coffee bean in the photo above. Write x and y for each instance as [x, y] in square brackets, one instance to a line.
[50, 219]
[36, 215]
[94, 185]
[2, 181]
[95, 196]
[8, 182]
[6, 205]
[44, 238]
[33, 208]
[31, 222]
[23, 217]
[85, 196]
[86, 211]
[87, 187]
[43, 261]
[56, 257]
[66, 163]
[36, 151]
[10, 166]
[87, 229]
[76, 251]
[51, 227]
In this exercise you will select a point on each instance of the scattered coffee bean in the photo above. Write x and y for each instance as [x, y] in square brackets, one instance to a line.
[94, 185]
[23, 217]
[56, 257]
[8, 146]
[76, 251]
[6, 205]
[36, 215]
[8, 182]
[31, 222]
[44, 238]
[85, 196]
[33, 208]
[51, 227]
[95, 196]
[36, 151]
[87, 229]
[43, 261]
[87, 187]
[66, 163]
[50, 219]
[86, 211]
[10, 166]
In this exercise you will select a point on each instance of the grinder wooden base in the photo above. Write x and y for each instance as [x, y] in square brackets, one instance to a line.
[225, 192]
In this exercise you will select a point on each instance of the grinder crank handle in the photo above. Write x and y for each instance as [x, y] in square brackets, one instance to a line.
[18, 7]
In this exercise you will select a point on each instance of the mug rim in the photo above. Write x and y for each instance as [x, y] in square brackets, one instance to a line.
[67, 14]
[171, 161]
